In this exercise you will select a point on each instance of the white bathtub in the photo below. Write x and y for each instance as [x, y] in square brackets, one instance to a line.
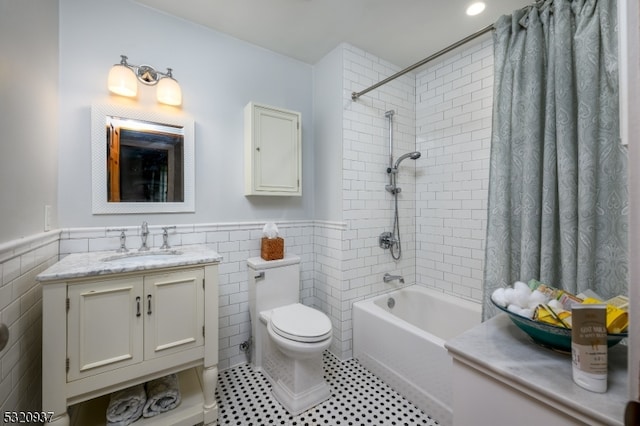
[404, 345]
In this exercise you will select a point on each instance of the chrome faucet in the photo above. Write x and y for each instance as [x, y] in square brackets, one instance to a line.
[144, 233]
[165, 237]
[123, 239]
[388, 278]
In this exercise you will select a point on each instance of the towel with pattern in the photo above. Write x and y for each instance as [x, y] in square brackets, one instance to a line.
[163, 394]
[126, 406]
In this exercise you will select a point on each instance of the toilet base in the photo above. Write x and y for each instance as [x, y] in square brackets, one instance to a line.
[296, 403]
[297, 384]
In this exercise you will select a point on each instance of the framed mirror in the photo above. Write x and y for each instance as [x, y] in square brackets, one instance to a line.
[142, 161]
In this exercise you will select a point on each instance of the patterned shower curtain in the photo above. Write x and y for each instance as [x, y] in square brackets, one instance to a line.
[558, 199]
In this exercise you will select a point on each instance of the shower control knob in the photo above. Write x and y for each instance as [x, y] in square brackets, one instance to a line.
[386, 240]
[388, 169]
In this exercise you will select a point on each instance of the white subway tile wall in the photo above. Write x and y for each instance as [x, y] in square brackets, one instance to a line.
[21, 311]
[454, 101]
[367, 206]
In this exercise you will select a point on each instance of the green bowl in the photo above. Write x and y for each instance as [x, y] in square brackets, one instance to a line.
[548, 335]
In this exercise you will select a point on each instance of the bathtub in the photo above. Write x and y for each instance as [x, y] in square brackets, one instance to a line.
[400, 337]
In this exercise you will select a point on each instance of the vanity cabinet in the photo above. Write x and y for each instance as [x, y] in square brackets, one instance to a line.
[119, 322]
[106, 333]
[273, 151]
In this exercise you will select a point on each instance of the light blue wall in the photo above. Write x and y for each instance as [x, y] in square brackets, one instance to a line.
[28, 115]
[218, 74]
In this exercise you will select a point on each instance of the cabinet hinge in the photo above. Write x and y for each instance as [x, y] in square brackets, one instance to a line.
[203, 331]
[68, 304]
[67, 365]
[203, 283]
[298, 124]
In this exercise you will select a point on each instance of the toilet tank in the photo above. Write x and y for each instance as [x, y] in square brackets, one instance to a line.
[273, 283]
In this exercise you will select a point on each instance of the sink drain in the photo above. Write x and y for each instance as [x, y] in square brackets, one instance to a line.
[391, 302]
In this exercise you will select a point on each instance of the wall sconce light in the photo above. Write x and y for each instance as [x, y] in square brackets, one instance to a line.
[122, 81]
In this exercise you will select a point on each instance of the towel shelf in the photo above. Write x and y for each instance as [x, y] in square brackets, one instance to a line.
[189, 412]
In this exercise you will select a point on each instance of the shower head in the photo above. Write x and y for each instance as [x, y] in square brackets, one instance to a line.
[413, 155]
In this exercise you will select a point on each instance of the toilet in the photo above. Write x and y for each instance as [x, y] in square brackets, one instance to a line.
[288, 338]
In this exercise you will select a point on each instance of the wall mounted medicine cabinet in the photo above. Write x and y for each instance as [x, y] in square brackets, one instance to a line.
[273, 151]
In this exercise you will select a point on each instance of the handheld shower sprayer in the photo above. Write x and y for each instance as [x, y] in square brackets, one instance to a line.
[412, 155]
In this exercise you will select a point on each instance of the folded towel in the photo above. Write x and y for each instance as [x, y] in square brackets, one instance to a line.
[163, 394]
[125, 406]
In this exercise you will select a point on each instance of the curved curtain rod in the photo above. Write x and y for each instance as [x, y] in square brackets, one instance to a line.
[356, 95]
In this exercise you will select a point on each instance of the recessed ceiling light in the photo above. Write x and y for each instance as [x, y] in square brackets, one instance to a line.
[475, 8]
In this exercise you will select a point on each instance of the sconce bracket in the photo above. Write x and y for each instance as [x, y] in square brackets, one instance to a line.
[147, 75]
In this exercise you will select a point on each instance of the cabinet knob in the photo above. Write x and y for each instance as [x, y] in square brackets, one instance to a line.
[257, 148]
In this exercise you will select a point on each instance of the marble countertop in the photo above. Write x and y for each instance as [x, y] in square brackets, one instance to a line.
[498, 348]
[78, 265]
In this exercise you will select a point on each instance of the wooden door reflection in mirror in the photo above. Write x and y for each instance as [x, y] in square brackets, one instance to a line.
[144, 161]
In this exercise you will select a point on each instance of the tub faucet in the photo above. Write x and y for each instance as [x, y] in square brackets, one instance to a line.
[144, 233]
[388, 278]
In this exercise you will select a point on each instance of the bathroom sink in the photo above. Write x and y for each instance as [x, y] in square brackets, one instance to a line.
[137, 257]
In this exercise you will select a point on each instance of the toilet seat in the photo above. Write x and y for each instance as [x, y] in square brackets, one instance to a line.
[300, 323]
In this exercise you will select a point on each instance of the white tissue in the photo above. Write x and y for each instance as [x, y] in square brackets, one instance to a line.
[521, 286]
[498, 297]
[509, 295]
[535, 298]
[515, 309]
[270, 230]
[521, 294]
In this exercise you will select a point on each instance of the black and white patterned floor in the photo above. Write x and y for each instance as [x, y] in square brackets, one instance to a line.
[357, 398]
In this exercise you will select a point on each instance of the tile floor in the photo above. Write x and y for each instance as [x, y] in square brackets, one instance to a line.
[357, 398]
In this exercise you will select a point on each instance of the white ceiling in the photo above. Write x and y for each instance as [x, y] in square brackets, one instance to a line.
[399, 31]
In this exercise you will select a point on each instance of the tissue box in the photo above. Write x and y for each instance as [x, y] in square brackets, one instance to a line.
[272, 248]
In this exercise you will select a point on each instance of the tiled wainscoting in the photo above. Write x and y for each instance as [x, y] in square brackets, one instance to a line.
[318, 244]
[236, 242]
[21, 311]
[338, 266]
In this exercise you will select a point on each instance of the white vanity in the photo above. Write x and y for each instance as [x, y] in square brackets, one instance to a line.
[114, 320]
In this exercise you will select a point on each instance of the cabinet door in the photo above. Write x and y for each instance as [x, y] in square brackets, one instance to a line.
[104, 325]
[174, 312]
[272, 151]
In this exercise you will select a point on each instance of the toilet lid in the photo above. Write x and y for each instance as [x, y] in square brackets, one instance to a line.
[300, 323]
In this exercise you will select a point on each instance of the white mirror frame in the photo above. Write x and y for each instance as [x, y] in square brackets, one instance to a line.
[100, 205]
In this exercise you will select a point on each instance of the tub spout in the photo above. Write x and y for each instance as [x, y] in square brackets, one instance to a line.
[388, 278]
